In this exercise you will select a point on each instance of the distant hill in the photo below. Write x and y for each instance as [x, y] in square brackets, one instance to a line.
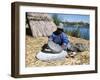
[80, 24]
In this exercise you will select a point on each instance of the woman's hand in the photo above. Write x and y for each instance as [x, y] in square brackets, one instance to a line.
[63, 46]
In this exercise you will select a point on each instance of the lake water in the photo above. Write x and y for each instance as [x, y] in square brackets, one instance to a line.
[84, 31]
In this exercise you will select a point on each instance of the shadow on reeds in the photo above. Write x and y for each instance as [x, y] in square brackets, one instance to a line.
[28, 32]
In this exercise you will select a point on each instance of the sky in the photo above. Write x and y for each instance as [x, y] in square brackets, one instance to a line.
[74, 17]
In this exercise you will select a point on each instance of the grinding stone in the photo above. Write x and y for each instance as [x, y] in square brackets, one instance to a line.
[56, 48]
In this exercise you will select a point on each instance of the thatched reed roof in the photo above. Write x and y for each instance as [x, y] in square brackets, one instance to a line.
[40, 24]
[39, 17]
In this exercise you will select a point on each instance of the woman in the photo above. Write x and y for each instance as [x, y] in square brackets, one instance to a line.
[59, 37]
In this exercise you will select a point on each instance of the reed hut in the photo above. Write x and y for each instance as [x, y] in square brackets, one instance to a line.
[40, 24]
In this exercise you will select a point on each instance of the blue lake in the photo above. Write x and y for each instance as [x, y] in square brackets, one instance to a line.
[84, 31]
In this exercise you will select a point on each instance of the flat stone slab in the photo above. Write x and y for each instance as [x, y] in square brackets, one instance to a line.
[51, 57]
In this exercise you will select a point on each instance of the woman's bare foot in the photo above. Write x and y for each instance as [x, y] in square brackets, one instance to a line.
[72, 54]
